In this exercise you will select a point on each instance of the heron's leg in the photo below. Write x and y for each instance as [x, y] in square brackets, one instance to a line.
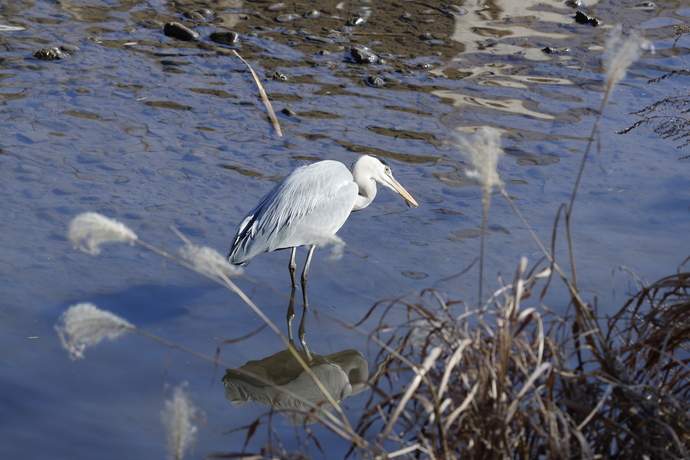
[292, 266]
[291, 315]
[305, 274]
[301, 333]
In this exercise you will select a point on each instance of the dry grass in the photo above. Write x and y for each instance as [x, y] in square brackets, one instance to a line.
[668, 118]
[518, 383]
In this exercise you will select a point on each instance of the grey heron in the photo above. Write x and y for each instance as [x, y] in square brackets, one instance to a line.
[311, 202]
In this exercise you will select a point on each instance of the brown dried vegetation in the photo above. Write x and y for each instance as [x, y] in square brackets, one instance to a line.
[512, 383]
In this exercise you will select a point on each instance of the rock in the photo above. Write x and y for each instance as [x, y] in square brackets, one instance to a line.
[225, 37]
[203, 14]
[363, 55]
[549, 50]
[277, 76]
[151, 24]
[69, 48]
[48, 54]
[177, 30]
[317, 39]
[356, 22]
[582, 18]
[375, 81]
[287, 17]
[193, 15]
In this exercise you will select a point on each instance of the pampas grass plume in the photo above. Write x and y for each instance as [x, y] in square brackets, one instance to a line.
[88, 231]
[84, 325]
[177, 417]
[483, 150]
[208, 261]
[322, 239]
[621, 51]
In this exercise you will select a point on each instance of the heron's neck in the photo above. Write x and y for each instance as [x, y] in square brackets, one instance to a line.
[367, 189]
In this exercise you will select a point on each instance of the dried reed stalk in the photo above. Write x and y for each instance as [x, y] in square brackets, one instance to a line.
[264, 97]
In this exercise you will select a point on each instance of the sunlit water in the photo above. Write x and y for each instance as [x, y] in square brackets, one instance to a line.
[159, 132]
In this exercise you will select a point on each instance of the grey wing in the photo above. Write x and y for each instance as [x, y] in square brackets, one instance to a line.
[311, 200]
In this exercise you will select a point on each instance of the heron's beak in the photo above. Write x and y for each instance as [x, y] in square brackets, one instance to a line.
[395, 185]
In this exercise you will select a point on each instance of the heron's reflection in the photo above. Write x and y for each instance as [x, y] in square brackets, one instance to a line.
[268, 381]
[301, 332]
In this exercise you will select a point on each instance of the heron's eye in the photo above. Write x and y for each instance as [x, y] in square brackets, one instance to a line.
[387, 170]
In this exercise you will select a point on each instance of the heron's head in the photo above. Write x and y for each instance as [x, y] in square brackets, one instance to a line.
[377, 168]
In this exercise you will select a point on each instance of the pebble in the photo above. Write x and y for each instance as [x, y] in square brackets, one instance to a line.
[375, 81]
[317, 39]
[198, 15]
[48, 54]
[277, 76]
[549, 50]
[224, 37]
[193, 15]
[276, 6]
[151, 24]
[313, 14]
[356, 22]
[69, 48]
[582, 18]
[177, 30]
[574, 3]
[287, 17]
[363, 55]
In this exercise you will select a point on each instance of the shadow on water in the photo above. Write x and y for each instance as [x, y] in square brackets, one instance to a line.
[149, 305]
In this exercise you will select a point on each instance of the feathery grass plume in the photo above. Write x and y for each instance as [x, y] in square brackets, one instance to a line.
[177, 417]
[84, 325]
[89, 230]
[621, 51]
[322, 239]
[208, 261]
[483, 151]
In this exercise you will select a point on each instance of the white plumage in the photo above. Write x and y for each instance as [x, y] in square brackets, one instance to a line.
[309, 206]
[313, 200]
